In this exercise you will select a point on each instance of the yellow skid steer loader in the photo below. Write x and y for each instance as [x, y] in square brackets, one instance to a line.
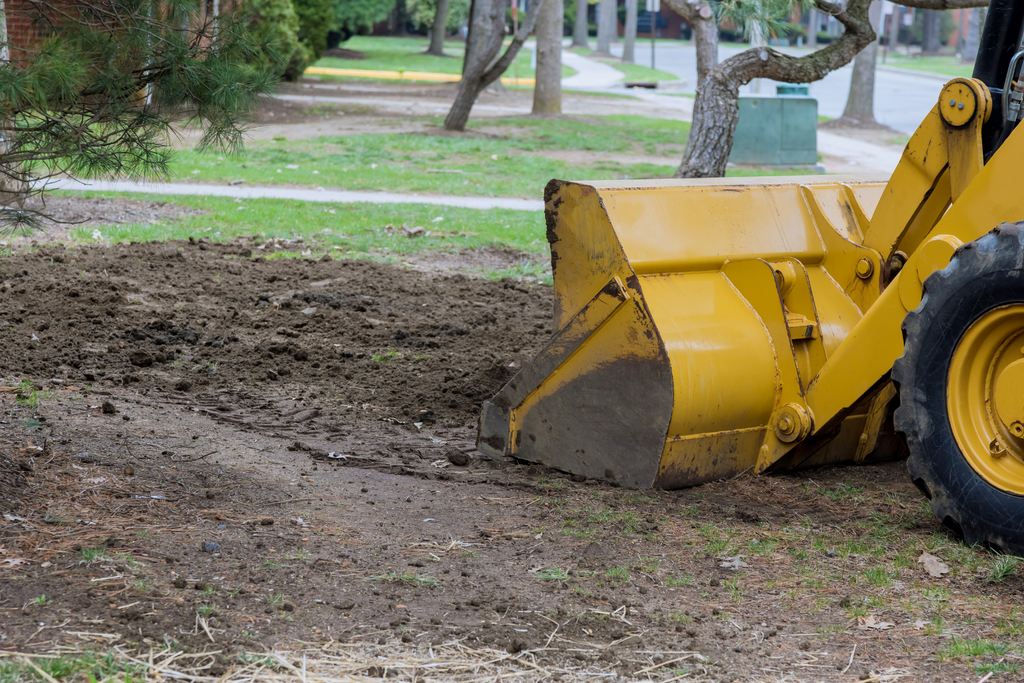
[710, 327]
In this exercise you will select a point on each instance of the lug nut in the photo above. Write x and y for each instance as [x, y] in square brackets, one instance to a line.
[786, 424]
[865, 268]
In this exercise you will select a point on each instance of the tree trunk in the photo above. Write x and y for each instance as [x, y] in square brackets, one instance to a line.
[606, 23]
[580, 37]
[482, 69]
[716, 108]
[931, 23]
[438, 30]
[629, 39]
[547, 92]
[860, 105]
[701, 19]
[813, 22]
[471, 23]
[974, 24]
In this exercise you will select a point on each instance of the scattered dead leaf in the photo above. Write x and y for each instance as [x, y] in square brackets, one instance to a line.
[734, 563]
[933, 565]
[871, 622]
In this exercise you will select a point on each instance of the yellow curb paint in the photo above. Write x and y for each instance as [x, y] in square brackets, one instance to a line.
[404, 75]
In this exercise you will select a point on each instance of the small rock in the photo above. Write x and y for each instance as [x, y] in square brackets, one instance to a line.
[210, 547]
[345, 605]
[457, 457]
[108, 408]
[309, 311]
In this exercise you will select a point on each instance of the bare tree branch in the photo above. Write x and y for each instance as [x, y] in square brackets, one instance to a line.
[477, 75]
[524, 31]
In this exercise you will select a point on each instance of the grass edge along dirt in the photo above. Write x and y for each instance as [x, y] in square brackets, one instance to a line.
[382, 232]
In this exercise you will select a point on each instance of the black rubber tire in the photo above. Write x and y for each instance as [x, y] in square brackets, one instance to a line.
[982, 275]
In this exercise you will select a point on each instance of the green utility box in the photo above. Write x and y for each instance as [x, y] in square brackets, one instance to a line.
[777, 131]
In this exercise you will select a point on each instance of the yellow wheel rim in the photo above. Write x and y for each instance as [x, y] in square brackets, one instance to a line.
[985, 397]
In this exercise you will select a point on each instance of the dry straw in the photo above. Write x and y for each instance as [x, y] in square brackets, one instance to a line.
[335, 662]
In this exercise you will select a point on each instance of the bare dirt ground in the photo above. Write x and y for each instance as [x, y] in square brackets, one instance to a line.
[213, 451]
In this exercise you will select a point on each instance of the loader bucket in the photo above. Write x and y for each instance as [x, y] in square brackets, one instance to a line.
[674, 303]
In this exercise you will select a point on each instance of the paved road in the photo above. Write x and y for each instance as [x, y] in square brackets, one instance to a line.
[321, 195]
[901, 99]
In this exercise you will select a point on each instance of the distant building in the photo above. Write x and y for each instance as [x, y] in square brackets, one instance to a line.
[668, 24]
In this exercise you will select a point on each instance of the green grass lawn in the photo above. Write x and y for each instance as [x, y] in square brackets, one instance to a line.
[505, 160]
[401, 54]
[406, 54]
[638, 72]
[512, 157]
[361, 230]
[947, 66]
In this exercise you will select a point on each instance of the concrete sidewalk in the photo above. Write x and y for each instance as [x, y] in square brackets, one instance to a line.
[590, 75]
[872, 158]
[318, 195]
